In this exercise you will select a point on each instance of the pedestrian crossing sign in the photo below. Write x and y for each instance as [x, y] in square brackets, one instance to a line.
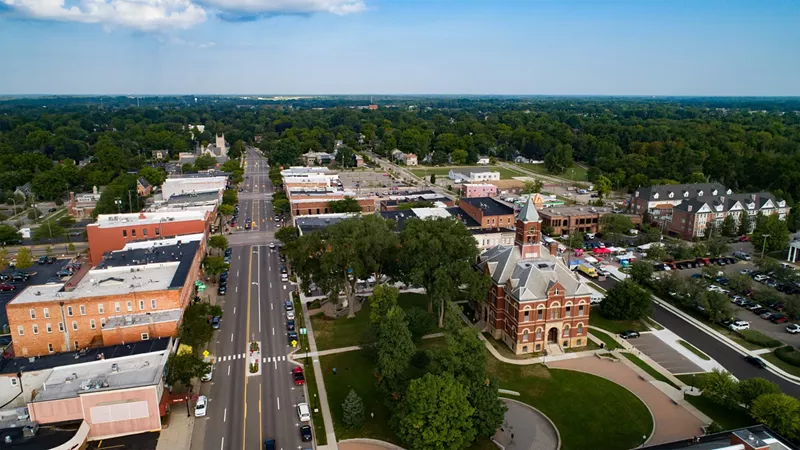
[294, 343]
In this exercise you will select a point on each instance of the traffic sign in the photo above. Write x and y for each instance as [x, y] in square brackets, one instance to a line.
[294, 343]
[303, 331]
[205, 353]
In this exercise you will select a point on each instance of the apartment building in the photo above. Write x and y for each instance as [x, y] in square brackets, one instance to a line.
[471, 190]
[489, 212]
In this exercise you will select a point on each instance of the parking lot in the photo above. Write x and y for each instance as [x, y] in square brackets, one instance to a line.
[142, 441]
[663, 354]
[365, 182]
[40, 273]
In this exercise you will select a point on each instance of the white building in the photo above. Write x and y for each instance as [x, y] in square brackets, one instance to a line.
[483, 160]
[190, 185]
[473, 175]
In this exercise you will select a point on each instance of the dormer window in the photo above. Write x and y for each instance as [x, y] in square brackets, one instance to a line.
[714, 192]
[699, 193]
[671, 194]
[685, 194]
[655, 195]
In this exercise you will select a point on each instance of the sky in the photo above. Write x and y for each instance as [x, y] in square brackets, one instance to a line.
[470, 47]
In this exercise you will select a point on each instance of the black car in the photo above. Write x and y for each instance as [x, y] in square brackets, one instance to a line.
[629, 334]
[283, 258]
[43, 260]
[223, 282]
[269, 444]
[222, 290]
[228, 251]
[758, 362]
[19, 277]
[291, 336]
[305, 433]
[290, 325]
[224, 276]
[283, 269]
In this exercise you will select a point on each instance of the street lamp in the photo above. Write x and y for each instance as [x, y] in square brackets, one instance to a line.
[118, 202]
[35, 212]
[764, 245]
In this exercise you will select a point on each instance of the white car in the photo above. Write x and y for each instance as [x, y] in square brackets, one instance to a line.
[303, 413]
[760, 278]
[793, 328]
[715, 288]
[272, 246]
[739, 325]
[201, 406]
[290, 315]
[284, 277]
[208, 375]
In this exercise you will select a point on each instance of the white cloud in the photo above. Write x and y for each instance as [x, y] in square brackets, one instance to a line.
[338, 7]
[147, 15]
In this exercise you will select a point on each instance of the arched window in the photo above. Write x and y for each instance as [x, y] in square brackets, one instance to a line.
[539, 334]
[525, 335]
[565, 333]
[540, 312]
[568, 310]
[581, 308]
[580, 329]
[555, 310]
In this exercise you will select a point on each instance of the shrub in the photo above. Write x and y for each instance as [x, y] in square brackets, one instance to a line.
[420, 322]
[788, 355]
[758, 338]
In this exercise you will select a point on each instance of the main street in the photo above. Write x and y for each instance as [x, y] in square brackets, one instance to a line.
[246, 408]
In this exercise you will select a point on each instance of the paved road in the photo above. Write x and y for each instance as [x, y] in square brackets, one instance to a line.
[245, 408]
[730, 359]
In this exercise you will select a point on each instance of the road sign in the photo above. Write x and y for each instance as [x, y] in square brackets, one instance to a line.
[303, 331]
[294, 343]
[205, 353]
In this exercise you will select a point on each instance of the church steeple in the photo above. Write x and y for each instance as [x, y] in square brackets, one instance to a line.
[529, 231]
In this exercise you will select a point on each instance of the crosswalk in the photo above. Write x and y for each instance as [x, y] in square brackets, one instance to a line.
[267, 359]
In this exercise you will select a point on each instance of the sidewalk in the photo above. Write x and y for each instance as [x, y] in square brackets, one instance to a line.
[323, 394]
[178, 434]
[352, 348]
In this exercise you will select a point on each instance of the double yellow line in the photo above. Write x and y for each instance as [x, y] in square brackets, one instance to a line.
[247, 360]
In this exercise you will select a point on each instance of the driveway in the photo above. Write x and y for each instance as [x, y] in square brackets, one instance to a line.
[666, 356]
[525, 428]
[672, 422]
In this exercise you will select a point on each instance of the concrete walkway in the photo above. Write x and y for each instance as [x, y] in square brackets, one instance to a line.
[671, 420]
[352, 348]
[367, 444]
[178, 433]
[327, 419]
[526, 428]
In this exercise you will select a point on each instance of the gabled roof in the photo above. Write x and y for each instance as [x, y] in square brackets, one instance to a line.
[528, 212]
[143, 182]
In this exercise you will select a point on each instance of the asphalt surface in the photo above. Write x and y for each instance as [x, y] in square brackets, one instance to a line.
[732, 360]
[244, 408]
[666, 356]
[40, 275]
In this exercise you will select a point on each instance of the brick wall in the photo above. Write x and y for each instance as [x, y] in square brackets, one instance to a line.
[102, 240]
[321, 207]
[505, 220]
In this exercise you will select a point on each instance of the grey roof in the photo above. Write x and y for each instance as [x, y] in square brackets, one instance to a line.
[463, 217]
[184, 253]
[468, 170]
[399, 217]
[530, 279]
[143, 182]
[680, 191]
[528, 212]
[728, 202]
[490, 206]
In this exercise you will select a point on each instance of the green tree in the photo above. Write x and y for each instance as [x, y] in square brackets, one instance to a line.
[394, 348]
[204, 162]
[458, 156]
[383, 298]
[532, 187]
[183, 367]
[48, 230]
[435, 415]
[745, 223]
[237, 150]
[752, 388]
[614, 226]
[721, 388]
[353, 410]
[420, 322]
[774, 230]
[625, 301]
[345, 157]
[24, 258]
[433, 178]
[214, 265]
[4, 260]
[154, 175]
[603, 186]
[728, 228]
[287, 235]
[195, 330]
[122, 189]
[641, 272]
[739, 283]
[230, 197]
[9, 235]
[558, 160]
[218, 242]
[717, 305]
[347, 204]
[780, 412]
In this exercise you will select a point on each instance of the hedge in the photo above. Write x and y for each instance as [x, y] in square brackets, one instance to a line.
[758, 338]
[788, 355]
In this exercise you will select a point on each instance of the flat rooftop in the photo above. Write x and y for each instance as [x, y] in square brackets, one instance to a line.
[212, 174]
[195, 197]
[757, 434]
[574, 211]
[146, 218]
[468, 170]
[46, 438]
[23, 365]
[308, 224]
[103, 375]
[463, 217]
[133, 320]
[490, 206]
[142, 266]
[300, 170]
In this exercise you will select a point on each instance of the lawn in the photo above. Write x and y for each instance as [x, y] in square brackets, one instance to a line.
[783, 365]
[313, 393]
[611, 344]
[729, 418]
[344, 332]
[694, 350]
[647, 368]
[574, 173]
[615, 326]
[697, 380]
[426, 172]
[575, 401]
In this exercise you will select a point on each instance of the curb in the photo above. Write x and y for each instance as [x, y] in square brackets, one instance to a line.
[555, 428]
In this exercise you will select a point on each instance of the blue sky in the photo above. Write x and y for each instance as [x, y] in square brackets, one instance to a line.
[560, 47]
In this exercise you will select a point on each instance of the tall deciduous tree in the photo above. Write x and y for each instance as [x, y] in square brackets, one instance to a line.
[195, 330]
[721, 388]
[780, 412]
[218, 242]
[24, 258]
[728, 228]
[603, 186]
[345, 205]
[625, 301]
[745, 223]
[9, 235]
[770, 233]
[752, 388]
[184, 367]
[435, 414]
[394, 348]
[287, 235]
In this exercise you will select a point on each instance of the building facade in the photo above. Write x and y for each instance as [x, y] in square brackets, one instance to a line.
[473, 175]
[478, 190]
[488, 212]
[82, 205]
[535, 303]
[573, 219]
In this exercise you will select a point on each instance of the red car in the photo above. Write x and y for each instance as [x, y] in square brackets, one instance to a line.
[7, 287]
[779, 318]
[299, 378]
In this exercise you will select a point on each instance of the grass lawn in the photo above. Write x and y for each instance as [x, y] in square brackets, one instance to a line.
[319, 424]
[786, 367]
[694, 350]
[615, 326]
[653, 324]
[575, 401]
[611, 344]
[727, 417]
[426, 172]
[344, 332]
[647, 368]
[697, 380]
[574, 173]
[578, 405]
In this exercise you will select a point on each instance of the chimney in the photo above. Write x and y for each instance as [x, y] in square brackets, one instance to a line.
[72, 199]
[554, 248]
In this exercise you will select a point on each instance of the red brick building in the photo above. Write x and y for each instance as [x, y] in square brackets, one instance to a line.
[113, 231]
[534, 302]
[310, 204]
[134, 294]
[488, 212]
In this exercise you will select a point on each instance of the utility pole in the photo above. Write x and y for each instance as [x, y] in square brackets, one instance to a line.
[130, 205]
[118, 202]
[764, 245]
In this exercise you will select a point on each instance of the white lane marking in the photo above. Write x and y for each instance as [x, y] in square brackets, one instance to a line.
[284, 287]
[225, 415]
[237, 289]
[234, 310]
[265, 360]
[222, 444]
[259, 295]
[276, 365]
[229, 370]
[279, 402]
[231, 337]
[270, 285]
[237, 272]
[273, 331]
[271, 307]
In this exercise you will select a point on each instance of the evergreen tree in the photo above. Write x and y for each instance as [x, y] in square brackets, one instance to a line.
[353, 410]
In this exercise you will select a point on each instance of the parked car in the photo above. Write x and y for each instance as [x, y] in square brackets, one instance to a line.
[793, 328]
[288, 305]
[222, 290]
[767, 315]
[758, 362]
[303, 412]
[7, 287]
[43, 260]
[760, 311]
[745, 271]
[63, 273]
[761, 278]
[208, 375]
[754, 306]
[201, 406]
[739, 325]
[272, 246]
[779, 318]
[298, 377]
[630, 334]
[290, 315]
[291, 336]
[305, 433]
[215, 322]
[290, 325]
